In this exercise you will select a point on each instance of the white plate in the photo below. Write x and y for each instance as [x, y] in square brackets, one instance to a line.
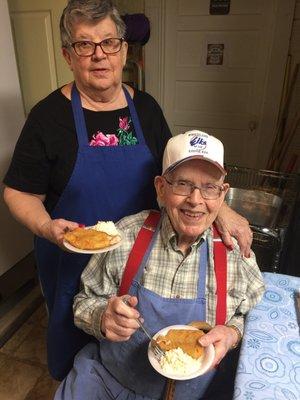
[103, 250]
[207, 360]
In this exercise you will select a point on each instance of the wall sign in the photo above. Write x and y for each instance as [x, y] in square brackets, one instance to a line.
[215, 52]
[219, 7]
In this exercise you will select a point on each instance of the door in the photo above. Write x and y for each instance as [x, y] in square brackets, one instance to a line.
[15, 240]
[221, 73]
[35, 25]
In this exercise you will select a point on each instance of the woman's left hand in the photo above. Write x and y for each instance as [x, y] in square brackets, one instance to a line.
[223, 338]
[230, 223]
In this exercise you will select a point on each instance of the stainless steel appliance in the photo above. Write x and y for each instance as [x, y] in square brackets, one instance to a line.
[267, 200]
[259, 207]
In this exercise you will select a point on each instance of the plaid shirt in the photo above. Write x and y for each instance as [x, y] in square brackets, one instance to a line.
[168, 273]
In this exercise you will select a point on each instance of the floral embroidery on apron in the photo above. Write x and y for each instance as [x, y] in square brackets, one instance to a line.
[123, 137]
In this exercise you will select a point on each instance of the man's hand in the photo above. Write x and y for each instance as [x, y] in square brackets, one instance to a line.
[118, 321]
[230, 223]
[223, 338]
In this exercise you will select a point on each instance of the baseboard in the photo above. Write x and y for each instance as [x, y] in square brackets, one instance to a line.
[18, 276]
[18, 313]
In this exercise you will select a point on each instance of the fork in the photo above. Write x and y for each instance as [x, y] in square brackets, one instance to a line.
[155, 347]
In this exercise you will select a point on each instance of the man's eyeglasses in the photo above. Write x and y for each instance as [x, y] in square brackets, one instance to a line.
[86, 48]
[185, 188]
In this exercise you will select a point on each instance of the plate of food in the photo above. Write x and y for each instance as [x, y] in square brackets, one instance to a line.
[184, 357]
[99, 238]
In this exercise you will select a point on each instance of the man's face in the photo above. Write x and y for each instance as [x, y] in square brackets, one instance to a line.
[191, 215]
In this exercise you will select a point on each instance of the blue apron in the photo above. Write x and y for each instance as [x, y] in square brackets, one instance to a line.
[108, 373]
[107, 183]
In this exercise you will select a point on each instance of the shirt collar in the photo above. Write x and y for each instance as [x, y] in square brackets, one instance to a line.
[169, 237]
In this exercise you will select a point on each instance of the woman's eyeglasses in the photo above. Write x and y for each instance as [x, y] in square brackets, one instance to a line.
[185, 188]
[86, 48]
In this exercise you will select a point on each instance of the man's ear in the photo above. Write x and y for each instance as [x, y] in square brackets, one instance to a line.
[159, 184]
[226, 187]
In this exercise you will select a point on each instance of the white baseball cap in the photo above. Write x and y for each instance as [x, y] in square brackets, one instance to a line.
[190, 145]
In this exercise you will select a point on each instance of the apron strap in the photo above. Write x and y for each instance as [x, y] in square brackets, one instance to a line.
[135, 119]
[220, 261]
[138, 250]
[203, 260]
[80, 125]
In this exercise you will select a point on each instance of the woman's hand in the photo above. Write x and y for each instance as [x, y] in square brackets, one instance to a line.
[55, 229]
[230, 223]
[223, 338]
[118, 321]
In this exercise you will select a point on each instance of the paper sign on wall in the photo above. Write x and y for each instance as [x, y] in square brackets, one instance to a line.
[215, 52]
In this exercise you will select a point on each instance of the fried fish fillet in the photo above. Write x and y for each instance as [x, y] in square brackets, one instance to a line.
[187, 340]
[90, 239]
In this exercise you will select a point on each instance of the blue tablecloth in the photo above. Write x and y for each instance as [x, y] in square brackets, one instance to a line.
[269, 363]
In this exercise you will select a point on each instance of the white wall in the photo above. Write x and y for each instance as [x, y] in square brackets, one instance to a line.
[15, 241]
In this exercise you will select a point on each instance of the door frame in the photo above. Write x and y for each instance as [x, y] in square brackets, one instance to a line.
[155, 49]
[154, 68]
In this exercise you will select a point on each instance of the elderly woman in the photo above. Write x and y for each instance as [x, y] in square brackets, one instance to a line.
[175, 283]
[89, 151]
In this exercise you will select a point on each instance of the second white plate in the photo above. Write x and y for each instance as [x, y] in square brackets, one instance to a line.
[207, 359]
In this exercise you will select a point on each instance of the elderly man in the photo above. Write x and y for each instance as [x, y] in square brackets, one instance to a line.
[170, 268]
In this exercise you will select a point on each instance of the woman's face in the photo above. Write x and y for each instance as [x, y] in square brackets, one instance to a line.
[99, 72]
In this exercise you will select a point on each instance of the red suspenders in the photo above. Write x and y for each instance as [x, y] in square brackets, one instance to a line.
[138, 250]
[220, 261]
[140, 247]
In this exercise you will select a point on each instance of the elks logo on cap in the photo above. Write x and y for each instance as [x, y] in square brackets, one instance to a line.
[198, 143]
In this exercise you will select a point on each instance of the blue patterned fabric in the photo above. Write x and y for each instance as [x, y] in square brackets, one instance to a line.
[269, 364]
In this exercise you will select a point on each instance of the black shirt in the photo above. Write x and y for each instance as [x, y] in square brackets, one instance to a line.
[46, 150]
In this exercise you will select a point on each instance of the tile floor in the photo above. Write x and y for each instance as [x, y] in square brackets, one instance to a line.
[23, 370]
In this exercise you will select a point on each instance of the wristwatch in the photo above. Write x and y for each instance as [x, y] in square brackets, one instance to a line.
[239, 335]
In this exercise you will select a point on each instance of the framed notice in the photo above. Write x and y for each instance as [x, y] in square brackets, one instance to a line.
[215, 54]
[219, 7]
